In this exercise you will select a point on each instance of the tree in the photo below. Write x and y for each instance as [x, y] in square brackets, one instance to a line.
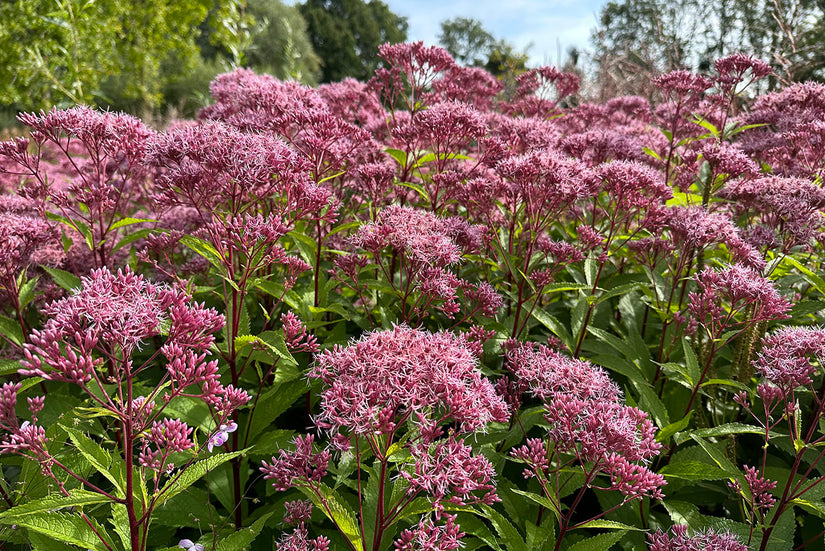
[106, 52]
[346, 34]
[637, 39]
[280, 44]
[467, 40]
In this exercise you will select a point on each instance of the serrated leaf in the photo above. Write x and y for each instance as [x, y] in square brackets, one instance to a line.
[74, 499]
[815, 280]
[343, 517]
[26, 293]
[398, 155]
[129, 221]
[193, 473]
[666, 432]
[691, 362]
[610, 525]
[540, 499]
[131, 237]
[11, 330]
[693, 470]
[204, 249]
[508, 534]
[620, 290]
[721, 461]
[242, 537]
[67, 528]
[64, 279]
[601, 542]
[120, 522]
[554, 325]
[7, 367]
[729, 428]
[97, 457]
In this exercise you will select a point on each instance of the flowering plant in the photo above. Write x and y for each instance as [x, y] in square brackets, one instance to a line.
[423, 312]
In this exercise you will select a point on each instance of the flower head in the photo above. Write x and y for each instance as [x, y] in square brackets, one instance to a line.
[387, 376]
[681, 541]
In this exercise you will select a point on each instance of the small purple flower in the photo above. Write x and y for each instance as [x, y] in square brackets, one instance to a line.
[220, 437]
[189, 545]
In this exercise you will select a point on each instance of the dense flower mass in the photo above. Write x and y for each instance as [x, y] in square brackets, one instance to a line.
[587, 420]
[681, 541]
[449, 308]
[378, 382]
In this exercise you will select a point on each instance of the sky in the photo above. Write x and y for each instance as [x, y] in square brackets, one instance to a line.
[551, 26]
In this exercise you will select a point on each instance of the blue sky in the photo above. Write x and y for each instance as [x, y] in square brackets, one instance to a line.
[552, 26]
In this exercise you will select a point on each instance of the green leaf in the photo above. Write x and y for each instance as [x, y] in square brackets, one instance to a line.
[540, 499]
[620, 290]
[131, 237]
[66, 280]
[67, 528]
[693, 470]
[339, 513]
[817, 508]
[204, 249]
[95, 455]
[691, 362]
[666, 432]
[120, 522]
[398, 155]
[129, 222]
[418, 188]
[7, 367]
[193, 473]
[618, 344]
[555, 326]
[601, 542]
[274, 340]
[243, 537]
[74, 499]
[83, 229]
[610, 524]
[273, 403]
[26, 293]
[706, 124]
[508, 534]
[810, 276]
[306, 245]
[11, 330]
[729, 428]
[650, 402]
[540, 538]
[721, 461]
[652, 153]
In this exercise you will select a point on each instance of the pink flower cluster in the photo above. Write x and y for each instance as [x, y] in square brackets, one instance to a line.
[706, 541]
[587, 420]
[378, 382]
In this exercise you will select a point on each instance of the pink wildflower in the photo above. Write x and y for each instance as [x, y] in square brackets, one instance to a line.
[427, 536]
[681, 541]
[723, 293]
[448, 472]
[299, 467]
[377, 382]
[785, 359]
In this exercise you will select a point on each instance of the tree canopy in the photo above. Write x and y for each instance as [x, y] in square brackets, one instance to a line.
[639, 38]
[346, 34]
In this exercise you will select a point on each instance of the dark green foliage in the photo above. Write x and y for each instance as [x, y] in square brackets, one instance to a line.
[346, 34]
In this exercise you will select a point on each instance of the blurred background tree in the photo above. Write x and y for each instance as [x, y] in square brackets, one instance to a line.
[637, 39]
[346, 34]
[280, 43]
